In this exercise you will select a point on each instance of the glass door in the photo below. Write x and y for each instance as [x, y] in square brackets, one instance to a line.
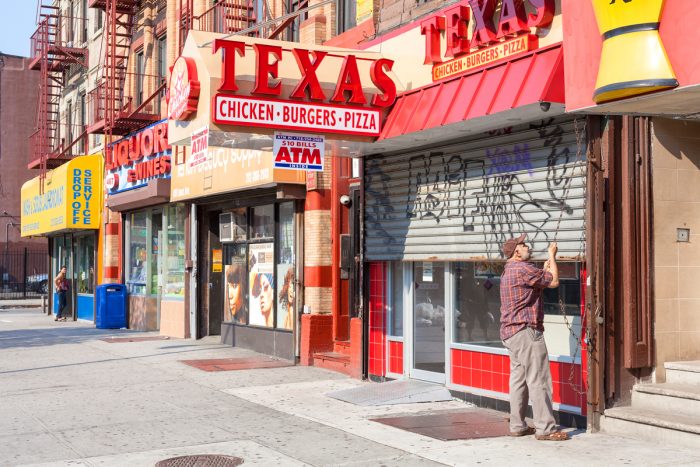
[84, 248]
[428, 356]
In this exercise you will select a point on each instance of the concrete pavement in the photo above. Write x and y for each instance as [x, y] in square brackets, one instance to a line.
[68, 398]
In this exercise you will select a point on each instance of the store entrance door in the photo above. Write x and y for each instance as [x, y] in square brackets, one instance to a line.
[428, 323]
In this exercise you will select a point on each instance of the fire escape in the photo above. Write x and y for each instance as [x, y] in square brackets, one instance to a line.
[117, 105]
[54, 53]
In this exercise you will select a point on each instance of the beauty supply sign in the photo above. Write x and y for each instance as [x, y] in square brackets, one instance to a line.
[298, 151]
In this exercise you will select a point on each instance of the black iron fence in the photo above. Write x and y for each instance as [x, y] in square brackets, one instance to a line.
[23, 273]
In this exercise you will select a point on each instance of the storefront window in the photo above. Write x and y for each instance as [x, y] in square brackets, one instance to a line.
[396, 299]
[263, 222]
[477, 303]
[174, 268]
[285, 267]
[240, 225]
[138, 253]
[156, 232]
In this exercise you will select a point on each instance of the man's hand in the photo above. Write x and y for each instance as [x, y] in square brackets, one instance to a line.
[553, 250]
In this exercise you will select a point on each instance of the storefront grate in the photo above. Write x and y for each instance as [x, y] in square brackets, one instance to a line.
[201, 460]
[453, 425]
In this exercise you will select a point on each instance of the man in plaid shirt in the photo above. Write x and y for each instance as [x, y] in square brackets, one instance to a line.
[522, 333]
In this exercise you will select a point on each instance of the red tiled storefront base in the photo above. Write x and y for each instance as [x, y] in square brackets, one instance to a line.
[316, 336]
[492, 372]
[377, 301]
[396, 357]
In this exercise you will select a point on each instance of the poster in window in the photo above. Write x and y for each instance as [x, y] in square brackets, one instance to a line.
[235, 308]
[261, 280]
[285, 299]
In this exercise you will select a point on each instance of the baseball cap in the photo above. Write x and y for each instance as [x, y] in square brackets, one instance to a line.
[508, 247]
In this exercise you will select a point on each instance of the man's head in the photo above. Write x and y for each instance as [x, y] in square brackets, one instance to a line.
[516, 249]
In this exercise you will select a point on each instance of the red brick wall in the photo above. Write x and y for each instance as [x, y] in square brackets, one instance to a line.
[394, 13]
[18, 97]
[377, 333]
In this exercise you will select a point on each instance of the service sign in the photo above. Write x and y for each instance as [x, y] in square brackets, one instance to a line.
[481, 32]
[139, 157]
[71, 198]
[298, 151]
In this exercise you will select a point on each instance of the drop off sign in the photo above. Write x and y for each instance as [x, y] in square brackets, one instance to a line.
[298, 151]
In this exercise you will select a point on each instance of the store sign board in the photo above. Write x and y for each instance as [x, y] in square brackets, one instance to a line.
[228, 170]
[134, 160]
[305, 102]
[631, 30]
[484, 57]
[515, 18]
[71, 198]
[199, 143]
[183, 89]
[298, 151]
[278, 114]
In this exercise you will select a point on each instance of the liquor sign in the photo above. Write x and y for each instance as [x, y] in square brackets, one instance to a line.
[302, 103]
[200, 147]
[134, 160]
[183, 89]
[298, 151]
[489, 42]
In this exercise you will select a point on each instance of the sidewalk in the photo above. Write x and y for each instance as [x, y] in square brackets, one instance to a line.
[69, 398]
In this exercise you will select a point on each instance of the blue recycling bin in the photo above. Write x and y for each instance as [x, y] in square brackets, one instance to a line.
[111, 306]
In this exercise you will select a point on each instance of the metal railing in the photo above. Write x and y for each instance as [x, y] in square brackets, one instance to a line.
[23, 273]
[133, 93]
[227, 17]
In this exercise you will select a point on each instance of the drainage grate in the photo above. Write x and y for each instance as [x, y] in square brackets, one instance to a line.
[201, 460]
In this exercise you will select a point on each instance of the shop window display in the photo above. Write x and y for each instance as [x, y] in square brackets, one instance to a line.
[477, 300]
[261, 280]
[263, 222]
[138, 253]
[236, 284]
[174, 269]
[285, 267]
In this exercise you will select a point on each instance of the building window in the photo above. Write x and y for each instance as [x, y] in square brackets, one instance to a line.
[140, 72]
[84, 21]
[263, 222]
[346, 10]
[395, 299]
[98, 19]
[162, 68]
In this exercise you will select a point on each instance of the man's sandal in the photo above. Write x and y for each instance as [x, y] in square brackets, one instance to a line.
[525, 432]
[553, 436]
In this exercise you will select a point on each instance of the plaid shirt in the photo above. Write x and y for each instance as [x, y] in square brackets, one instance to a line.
[521, 297]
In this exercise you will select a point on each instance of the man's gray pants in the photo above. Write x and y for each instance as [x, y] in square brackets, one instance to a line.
[530, 376]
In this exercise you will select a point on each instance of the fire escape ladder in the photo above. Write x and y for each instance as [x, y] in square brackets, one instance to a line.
[53, 52]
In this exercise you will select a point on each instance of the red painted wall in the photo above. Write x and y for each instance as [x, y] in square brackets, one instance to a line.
[377, 314]
[582, 45]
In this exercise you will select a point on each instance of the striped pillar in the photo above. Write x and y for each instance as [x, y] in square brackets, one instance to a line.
[112, 246]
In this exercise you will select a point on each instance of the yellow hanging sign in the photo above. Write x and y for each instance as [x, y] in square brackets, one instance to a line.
[633, 60]
[72, 198]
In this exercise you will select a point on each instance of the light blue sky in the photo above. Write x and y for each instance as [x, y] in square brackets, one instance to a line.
[17, 24]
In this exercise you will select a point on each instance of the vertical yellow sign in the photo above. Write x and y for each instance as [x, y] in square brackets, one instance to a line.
[633, 60]
[363, 10]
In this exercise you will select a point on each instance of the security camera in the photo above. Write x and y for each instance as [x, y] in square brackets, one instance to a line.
[345, 200]
[544, 106]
